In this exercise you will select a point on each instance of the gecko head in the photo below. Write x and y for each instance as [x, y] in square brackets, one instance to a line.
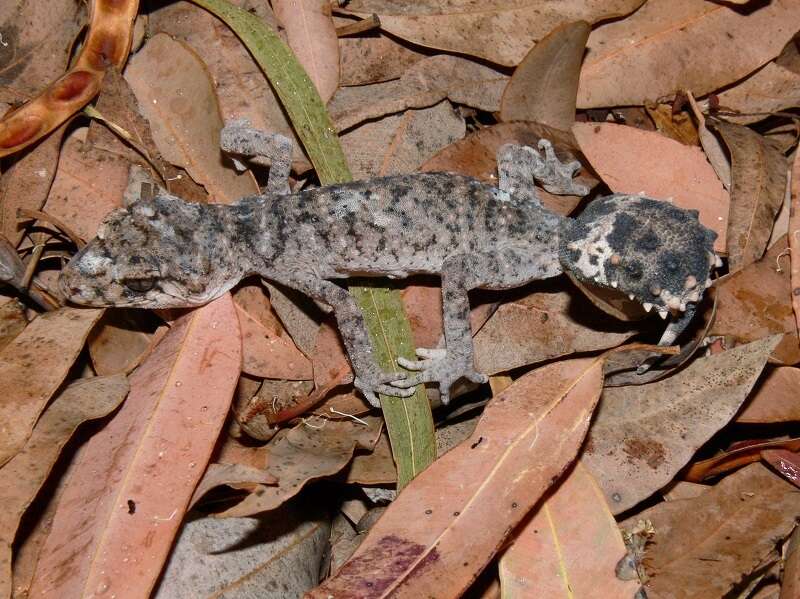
[656, 253]
[159, 253]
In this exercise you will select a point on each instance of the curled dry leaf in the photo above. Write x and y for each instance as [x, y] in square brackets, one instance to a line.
[756, 302]
[774, 399]
[33, 366]
[476, 154]
[22, 477]
[450, 520]
[311, 35]
[735, 458]
[643, 435]
[426, 83]
[544, 85]
[541, 326]
[758, 186]
[706, 546]
[311, 450]
[500, 31]
[132, 481]
[631, 161]
[177, 97]
[664, 48]
[570, 547]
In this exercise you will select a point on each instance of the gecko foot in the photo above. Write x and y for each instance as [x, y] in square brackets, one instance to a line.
[373, 384]
[556, 176]
[438, 366]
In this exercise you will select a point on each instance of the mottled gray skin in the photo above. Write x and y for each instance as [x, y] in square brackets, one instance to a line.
[170, 253]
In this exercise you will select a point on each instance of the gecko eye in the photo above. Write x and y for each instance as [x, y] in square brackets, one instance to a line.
[139, 285]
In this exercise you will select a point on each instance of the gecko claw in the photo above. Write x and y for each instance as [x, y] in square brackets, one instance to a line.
[437, 366]
[371, 386]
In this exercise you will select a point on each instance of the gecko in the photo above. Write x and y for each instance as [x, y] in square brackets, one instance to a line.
[163, 252]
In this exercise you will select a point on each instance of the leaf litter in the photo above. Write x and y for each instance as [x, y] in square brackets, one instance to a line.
[692, 102]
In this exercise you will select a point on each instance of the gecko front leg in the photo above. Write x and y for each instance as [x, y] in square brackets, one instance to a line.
[369, 378]
[518, 167]
[239, 137]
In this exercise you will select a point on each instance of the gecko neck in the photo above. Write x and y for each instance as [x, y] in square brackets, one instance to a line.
[254, 231]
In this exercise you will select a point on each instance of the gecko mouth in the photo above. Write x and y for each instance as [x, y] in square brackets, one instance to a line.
[668, 302]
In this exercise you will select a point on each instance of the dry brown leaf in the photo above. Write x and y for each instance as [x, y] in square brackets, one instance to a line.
[675, 125]
[12, 321]
[774, 399]
[790, 582]
[22, 477]
[269, 352]
[37, 40]
[664, 48]
[500, 31]
[630, 160]
[774, 87]
[452, 518]
[178, 98]
[793, 239]
[374, 59]
[785, 462]
[741, 455]
[542, 326]
[238, 476]
[712, 146]
[758, 186]
[475, 156]
[401, 143]
[313, 449]
[119, 341]
[643, 435]
[311, 35]
[241, 87]
[89, 183]
[424, 84]
[544, 85]
[756, 302]
[704, 547]
[127, 495]
[570, 547]
[27, 183]
[375, 467]
[118, 106]
[33, 366]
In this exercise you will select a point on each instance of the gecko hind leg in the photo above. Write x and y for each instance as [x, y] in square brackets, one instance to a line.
[519, 167]
[239, 137]
[369, 378]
